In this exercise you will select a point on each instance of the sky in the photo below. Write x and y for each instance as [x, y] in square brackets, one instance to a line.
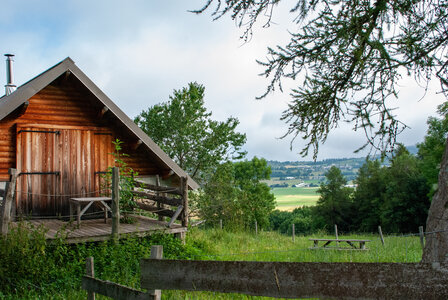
[139, 51]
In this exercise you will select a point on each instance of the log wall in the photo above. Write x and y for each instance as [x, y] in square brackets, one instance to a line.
[81, 148]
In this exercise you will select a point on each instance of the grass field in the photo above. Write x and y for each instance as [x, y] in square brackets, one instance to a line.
[271, 246]
[290, 198]
[217, 244]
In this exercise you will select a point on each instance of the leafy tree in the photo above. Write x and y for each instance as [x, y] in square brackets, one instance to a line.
[256, 198]
[183, 128]
[219, 199]
[405, 204]
[335, 203]
[430, 151]
[235, 193]
[394, 196]
[352, 55]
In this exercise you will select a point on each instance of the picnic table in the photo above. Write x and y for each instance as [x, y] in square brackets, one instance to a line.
[88, 201]
[351, 242]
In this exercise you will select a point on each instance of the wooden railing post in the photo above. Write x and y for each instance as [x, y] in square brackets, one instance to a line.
[184, 189]
[159, 205]
[156, 253]
[8, 197]
[90, 271]
[115, 203]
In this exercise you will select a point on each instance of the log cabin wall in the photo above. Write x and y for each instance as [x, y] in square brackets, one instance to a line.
[65, 134]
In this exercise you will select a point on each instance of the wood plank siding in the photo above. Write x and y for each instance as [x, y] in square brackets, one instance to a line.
[61, 129]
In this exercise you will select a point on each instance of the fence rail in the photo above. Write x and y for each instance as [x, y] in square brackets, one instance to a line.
[283, 279]
[294, 280]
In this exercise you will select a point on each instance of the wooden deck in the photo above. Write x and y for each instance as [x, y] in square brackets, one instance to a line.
[96, 230]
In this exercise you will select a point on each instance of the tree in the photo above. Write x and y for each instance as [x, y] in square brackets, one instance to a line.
[335, 203]
[219, 199]
[256, 198]
[369, 194]
[393, 196]
[405, 203]
[183, 128]
[352, 54]
[234, 192]
[430, 151]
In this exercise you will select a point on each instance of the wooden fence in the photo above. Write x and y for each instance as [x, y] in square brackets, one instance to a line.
[288, 279]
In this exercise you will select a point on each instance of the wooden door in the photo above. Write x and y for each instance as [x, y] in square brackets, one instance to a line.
[38, 169]
[58, 164]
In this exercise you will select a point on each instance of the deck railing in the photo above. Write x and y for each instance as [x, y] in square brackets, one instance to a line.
[164, 201]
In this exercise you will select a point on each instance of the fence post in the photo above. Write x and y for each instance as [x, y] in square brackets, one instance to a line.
[220, 224]
[184, 188]
[156, 253]
[115, 203]
[256, 228]
[336, 233]
[90, 271]
[381, 235]
[8, 197]
[422, 236]
[293, 232]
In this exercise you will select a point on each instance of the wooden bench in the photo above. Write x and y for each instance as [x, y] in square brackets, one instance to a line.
[352, 243]
[88, 201]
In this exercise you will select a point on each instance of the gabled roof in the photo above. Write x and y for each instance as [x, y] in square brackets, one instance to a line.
[9, 103]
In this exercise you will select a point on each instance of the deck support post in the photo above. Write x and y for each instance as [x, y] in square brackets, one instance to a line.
[184, 189]
[8, 198]
[115, 203]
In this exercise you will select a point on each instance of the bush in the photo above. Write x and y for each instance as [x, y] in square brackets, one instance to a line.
[28, 264]
[303, 218]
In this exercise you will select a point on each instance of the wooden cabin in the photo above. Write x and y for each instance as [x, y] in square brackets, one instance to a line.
[57, 130]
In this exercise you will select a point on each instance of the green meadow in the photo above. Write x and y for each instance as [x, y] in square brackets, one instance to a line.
[293, 197]
[45, 271]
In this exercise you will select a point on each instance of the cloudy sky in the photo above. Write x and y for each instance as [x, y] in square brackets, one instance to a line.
[138, 51]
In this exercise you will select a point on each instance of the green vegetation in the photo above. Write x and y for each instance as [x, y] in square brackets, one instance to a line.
[235, 191]
[184, 129]
[32, 269]
[335, 201]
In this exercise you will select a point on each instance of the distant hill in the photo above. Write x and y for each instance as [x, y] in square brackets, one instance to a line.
[315, 170]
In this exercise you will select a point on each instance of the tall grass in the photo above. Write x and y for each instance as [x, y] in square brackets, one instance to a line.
[32, 269]
[272, 246]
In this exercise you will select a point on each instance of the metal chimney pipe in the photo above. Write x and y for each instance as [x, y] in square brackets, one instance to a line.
[10, 87]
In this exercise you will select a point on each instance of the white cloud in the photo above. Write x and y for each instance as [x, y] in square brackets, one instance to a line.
[138, 53]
